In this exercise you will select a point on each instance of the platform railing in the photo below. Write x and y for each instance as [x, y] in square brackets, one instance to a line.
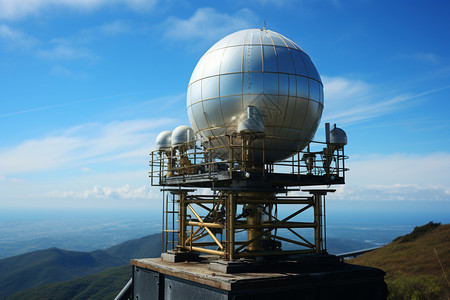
[203, 162]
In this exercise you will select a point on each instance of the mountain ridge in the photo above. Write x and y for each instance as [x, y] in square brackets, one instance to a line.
[54, 265]
[108, 283]
[103, 285]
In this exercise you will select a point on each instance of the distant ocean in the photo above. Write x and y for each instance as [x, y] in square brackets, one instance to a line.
[25, 230]
[414, 213]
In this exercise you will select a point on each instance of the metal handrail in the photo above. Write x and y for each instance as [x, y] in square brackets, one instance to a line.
[174, 162]
[126, 292]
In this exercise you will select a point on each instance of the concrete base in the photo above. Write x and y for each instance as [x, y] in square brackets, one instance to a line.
[229, 267]
[293, 264]
[313, 277]
[176, 256]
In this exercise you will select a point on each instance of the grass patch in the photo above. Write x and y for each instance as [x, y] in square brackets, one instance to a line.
[413, 263]
[417, 232]
[417, 287]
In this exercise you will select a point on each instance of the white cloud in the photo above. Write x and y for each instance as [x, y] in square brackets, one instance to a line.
[349, 101]
[59, 70]
[341, 89]
[15, 9]
[115, 27]
[85, 144]
[103, 192]
[92, 34]
[428, 57]
[401, 169]
[396, 177]
[68, 48]
[207, 24]
[64, 104]
[14, 38]
[394, 192]
[123, 192]
[40, 154]
[303, 7]
[86, 169]
[66, 52]
[74, 47]
[10, 179]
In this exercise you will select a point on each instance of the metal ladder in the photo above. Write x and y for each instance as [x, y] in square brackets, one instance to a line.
[170, 222]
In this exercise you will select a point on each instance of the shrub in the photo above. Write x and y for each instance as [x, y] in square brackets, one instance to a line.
[417, 287]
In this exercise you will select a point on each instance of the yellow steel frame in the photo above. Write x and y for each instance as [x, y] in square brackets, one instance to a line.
[219, 237]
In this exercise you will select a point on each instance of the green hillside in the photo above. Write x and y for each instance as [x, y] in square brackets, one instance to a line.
[413, 263]
[108, 283]
[53, 265]
[103, 285]
[149, 246]
[412, 266]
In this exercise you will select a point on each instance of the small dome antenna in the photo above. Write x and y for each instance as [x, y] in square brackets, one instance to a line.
[264, 28]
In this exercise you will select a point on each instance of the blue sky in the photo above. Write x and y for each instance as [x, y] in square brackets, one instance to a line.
[85, 87]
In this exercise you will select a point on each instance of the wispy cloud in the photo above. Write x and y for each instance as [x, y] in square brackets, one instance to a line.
[303, 5]
[59, 70]
[86, 169]
[66, 52]
[104, 192]
[64, 104]
[93, 34]
[41, 154]
[394, 192]
[15, 39]
[273, 3]
[115, 28]
[349, 101]
[74, 47]
[401, 169]
[396, 177]
[427, 57]
[16, 9]
[341, 89]
[83, 145]
[207, 25]
[77, 46]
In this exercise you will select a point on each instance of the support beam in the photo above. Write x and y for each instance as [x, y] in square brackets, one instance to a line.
[213, 236]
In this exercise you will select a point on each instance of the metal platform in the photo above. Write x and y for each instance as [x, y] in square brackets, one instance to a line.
[310, 277]
[224, 178]
[201, 167]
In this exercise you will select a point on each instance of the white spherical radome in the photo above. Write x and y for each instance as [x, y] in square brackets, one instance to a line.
[263, 69]
[182, 135]
[164, 140]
